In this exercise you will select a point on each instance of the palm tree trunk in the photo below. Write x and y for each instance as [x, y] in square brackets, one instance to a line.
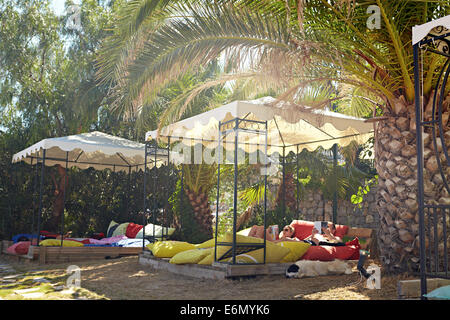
[202, 210]
[396, 163]
[287, 192]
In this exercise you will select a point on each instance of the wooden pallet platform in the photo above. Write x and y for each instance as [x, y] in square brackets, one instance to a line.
[216, 271]
[46, 255]
[410, 289]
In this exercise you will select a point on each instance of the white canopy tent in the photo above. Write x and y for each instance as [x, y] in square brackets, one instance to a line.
[91, 150]
[266, 125]
[288, 128]
[433, 28]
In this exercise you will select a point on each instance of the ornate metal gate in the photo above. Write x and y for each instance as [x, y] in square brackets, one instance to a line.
[434, 215]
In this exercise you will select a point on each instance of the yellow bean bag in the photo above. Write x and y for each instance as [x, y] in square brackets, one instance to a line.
[167, 249]
[208, 260]
[209, 243]
[297, 250]
[57, 243]
[190, 256]
[274, 252]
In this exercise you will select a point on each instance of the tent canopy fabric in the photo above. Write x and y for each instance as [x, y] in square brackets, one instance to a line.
[435, 27]
[287, 127]
[91, 150]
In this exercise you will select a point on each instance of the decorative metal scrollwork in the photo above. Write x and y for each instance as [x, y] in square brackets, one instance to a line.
[440, 40]
[440, 46]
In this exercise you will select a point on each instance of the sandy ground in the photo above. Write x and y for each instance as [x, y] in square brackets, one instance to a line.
[125, 278]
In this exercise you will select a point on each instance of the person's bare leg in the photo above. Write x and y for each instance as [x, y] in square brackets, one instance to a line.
[260, 232]
[253, 231]
[269, 236]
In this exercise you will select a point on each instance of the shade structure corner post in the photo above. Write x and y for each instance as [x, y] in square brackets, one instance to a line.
[335, 201]
[297, 183]
[283, 184]
[144, 213]
[266, 172]
[41, 190]
[420, 167]
[219, 161]
[64, 198]
[235, 193]
[35, 208]
[167, 194]
[155, 183]
[127, 205]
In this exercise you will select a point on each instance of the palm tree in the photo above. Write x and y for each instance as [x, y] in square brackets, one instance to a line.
[288, 46]
[198, 182]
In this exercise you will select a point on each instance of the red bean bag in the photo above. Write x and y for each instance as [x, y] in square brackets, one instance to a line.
[321, 253]
[12, 249]
[347, 253]
[19, 248]
[357, 246]
[23, 247]
[328, 253]
[304, 228]
[132, 230]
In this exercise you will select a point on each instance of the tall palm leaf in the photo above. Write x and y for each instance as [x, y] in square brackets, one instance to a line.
[290, 45]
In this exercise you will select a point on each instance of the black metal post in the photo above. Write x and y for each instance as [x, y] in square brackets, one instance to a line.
[64, 199]
[144, 220]
[34, 194]
[335, 203]
[127, 208]
[155, 178]
[298, 186]
[420, 165]
[265, 198]
[283, 191]
[166, 197]
[236, 136]
[219, 160]
[41, 190]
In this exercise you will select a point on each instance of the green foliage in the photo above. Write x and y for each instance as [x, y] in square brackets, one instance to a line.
[187, 228]
[358, 198]
[316, 172]
[48, 89]
[275, 216]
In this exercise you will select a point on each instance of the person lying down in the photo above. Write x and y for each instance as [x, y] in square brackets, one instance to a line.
[288, 234]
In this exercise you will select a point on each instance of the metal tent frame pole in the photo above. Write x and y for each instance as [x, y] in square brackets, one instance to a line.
[144, 213]
[219, 161]
[34, 195]
[41, 190]
[335, 201]
[235, 247]
[283, 190]
[236, 137]
[64, 198]
[298, 185]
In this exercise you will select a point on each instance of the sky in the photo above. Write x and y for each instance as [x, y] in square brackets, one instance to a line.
[58, 5]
